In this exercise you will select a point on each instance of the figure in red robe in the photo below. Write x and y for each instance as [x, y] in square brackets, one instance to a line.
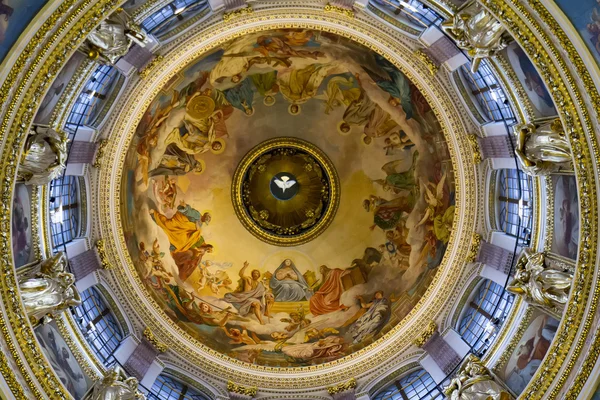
[327, 298]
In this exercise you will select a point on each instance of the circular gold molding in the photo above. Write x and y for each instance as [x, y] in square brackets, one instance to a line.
[395, 48]
[271, 219]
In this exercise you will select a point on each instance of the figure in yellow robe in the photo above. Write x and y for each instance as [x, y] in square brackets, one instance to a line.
[184, 231]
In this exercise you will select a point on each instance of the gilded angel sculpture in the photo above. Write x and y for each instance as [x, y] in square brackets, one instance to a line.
[476, 31]
[475, 382]
[542, 148]
[538, 284]
[49, 291]
[113, 38]
[44, 157]
[115, 386]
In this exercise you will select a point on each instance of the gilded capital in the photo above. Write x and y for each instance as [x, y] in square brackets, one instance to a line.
[342, 387]
[346, 12]
[161, 347]
[231, 15]
[424, 337]
[239, 389]
[475, 246]
[477, 157]
[102, 254]
[427, 60]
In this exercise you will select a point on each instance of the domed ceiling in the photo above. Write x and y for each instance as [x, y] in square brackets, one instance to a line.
[288, 197]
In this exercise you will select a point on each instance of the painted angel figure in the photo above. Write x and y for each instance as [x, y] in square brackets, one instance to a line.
[165, 192]
[434, 200]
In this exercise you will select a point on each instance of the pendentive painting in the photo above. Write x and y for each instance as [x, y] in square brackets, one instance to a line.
[565, 238]
[531, 81]
[585, 16]
[315, 301]
[62, 360]
[21, 226]
[530, 352]
[59, 85]
[15, 15]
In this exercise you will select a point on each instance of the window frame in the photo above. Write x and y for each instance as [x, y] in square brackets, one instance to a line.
[95, 311]
[515, 191]
[416, 382]
[70, 192]
[177, 390]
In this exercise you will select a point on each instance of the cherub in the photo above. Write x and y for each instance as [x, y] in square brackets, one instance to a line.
[165, 192]
[241, 337]
[296, 322]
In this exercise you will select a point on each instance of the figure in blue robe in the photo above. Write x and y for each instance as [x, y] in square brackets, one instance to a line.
[242, 96]
[288, 284]
[395, 84]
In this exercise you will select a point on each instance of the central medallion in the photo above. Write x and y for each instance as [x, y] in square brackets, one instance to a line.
[284, 186]
[285, 191]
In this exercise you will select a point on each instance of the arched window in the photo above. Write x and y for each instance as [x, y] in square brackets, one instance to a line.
[99, 325]
[415, 11]
[416, 385]
[172, 11]
[166, 387]
[89, 103]
[488, 93]
[484, 314]
[515, 211]
[64, 210]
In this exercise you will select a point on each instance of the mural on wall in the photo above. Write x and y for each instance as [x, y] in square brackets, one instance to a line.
[21, 226]
[15, 15]
[585, 16]
[565, 239]
[58, 87]
[529, 353]
[531, 81]
[62, 360]
[307, 304]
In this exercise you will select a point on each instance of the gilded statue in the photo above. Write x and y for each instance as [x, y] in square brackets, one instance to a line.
[476, 31]
[542, 148]
[44, 157]
[540, 285]
[113, 38]
[115, 386]
[49, 291]
[475, 382]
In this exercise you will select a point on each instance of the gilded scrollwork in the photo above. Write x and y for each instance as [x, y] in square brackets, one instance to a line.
[231, 15]
[475, 246]
[340, 10]
[426, 59]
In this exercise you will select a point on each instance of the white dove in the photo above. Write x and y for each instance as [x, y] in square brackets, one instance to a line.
[284, 183]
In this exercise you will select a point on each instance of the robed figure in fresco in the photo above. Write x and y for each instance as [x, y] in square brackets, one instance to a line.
[251, 295]
[184, 231]
[288, 284]
[327, 298]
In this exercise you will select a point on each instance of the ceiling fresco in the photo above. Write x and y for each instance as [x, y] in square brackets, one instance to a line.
[288, 304]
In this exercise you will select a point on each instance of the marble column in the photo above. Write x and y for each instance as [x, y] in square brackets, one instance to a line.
[233, 4]
[82, 152]
[140, 360]
[496, 147]
[496, 257]
[84, 263]
[441, 50]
